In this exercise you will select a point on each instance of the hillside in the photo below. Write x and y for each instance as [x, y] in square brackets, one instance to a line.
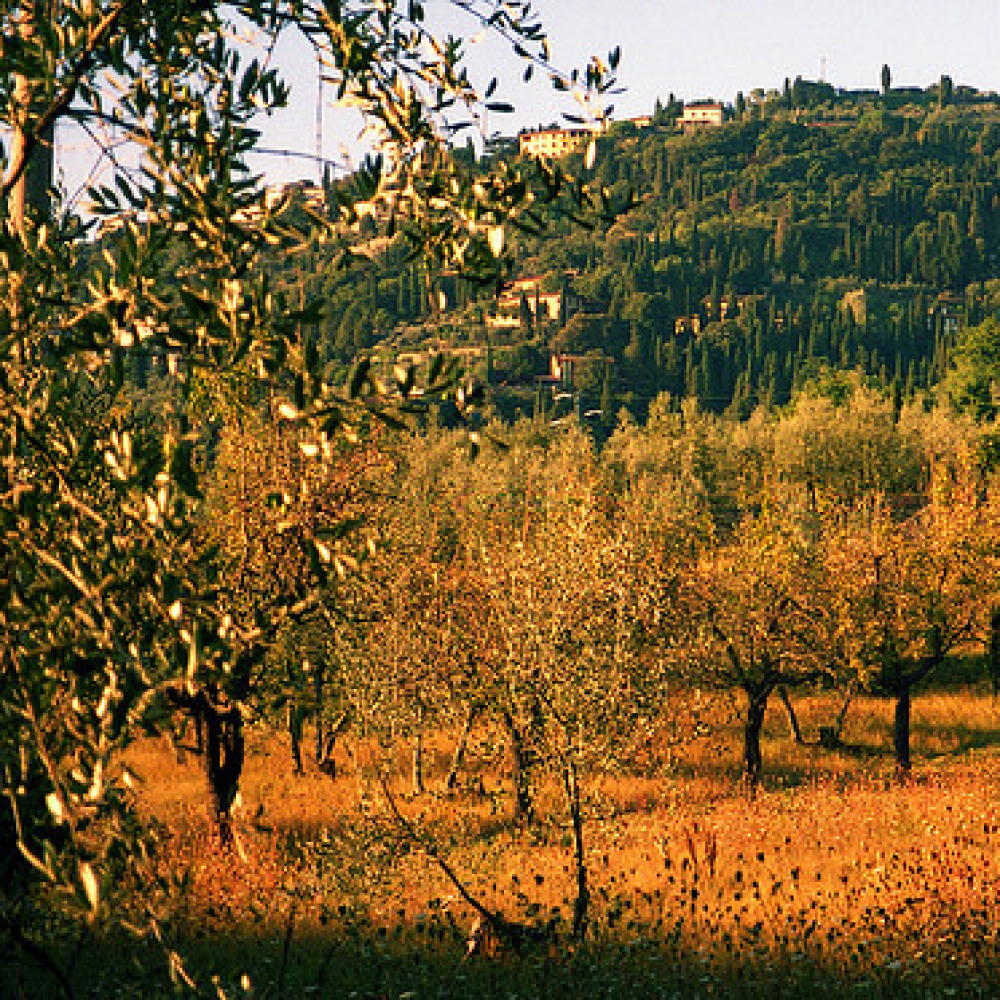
[859, 232]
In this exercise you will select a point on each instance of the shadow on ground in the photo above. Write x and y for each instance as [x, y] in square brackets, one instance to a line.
[348, 963]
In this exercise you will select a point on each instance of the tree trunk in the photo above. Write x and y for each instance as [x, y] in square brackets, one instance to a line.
[830, 736]
[994, 650]
[451, 782]
[793, 721]
[842, 716]
[582, 903]
[753, 760]
[296, 725]
[318, 679]
[326, 762]
[224, 756]
[30, 192]
[521, 766]
[901, 729]
[199, 733]
[219, 723]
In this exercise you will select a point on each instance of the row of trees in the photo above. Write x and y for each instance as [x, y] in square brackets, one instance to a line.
[577, 599]
[590, 605]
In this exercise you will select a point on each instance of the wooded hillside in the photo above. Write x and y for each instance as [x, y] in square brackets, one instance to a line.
[851, 231]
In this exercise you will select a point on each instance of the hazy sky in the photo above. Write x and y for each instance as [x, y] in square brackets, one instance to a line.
[702, 48]
[693, 48]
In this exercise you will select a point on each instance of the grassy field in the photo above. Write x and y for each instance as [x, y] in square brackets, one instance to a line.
[836, 881]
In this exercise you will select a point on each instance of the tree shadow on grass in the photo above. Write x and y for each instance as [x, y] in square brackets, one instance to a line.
[371, 964]
[789, 764]
[965, 738]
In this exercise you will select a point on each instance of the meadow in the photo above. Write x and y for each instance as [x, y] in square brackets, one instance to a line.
[838, 879]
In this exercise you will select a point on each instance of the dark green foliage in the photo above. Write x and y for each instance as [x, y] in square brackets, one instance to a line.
[820, 235]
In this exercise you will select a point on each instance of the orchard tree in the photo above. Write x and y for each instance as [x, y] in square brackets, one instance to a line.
[548, 619]
[480, 530]
[111, 611]
[913, 591]
[692, 456]
[282, 504]
[843, 437]
[570, 614]
[758, 618]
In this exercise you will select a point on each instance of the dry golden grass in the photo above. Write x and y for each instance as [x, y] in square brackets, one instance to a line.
[836, 866]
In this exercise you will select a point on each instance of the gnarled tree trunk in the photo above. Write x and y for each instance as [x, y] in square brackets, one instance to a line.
[753, 760]
[901, 729]
[219, 721]
[899, 681]
[224, 757]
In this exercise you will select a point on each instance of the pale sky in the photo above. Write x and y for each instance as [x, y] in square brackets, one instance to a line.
[694, 48]
[712, 48]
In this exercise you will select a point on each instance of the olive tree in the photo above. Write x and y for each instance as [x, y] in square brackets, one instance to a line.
[112, 612]
[574, 579]
[914, 590]
[760, 612]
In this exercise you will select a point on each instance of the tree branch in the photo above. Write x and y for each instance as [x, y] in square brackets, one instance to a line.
[493, 919]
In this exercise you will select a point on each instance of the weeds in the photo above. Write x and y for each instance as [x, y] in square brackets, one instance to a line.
[836, 881]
